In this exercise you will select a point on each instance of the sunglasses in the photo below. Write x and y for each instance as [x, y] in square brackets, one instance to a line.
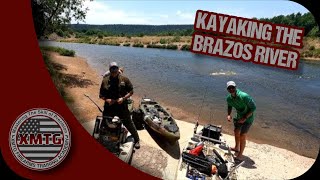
[114, 68]
[231, 87]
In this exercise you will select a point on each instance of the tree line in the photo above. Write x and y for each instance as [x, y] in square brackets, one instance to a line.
[133, 30]
[306, 21]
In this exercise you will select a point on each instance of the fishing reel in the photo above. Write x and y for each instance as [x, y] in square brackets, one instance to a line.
[113, 122]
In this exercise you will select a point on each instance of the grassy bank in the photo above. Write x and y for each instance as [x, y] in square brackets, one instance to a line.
[61, 51]
[161, 42]
[57, 77]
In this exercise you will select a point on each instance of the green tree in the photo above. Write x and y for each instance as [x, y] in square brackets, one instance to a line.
[50, 15]
[306, 21]
[314, 32]
[140, 35]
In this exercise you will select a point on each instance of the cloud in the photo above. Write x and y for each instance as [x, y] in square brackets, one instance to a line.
[164, 16]
[183, 15]
[100, 13]
[234, 12]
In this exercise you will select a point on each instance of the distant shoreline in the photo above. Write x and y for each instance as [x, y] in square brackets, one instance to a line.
[310, 59]
[171, 42]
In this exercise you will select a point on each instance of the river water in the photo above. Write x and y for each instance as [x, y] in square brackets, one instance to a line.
[288, 102]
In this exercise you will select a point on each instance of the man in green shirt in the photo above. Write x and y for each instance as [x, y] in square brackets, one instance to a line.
[245, 107]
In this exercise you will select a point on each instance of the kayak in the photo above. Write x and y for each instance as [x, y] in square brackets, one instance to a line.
[159, 120]
[207, 156]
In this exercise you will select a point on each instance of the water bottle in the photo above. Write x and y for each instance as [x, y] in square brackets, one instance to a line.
[124, 133]
[200, 143]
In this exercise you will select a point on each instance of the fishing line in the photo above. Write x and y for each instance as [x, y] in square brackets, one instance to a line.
[204, 96]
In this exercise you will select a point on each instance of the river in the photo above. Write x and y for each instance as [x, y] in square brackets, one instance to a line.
[288, 102]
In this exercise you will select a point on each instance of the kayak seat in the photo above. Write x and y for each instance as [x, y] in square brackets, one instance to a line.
[171, 127]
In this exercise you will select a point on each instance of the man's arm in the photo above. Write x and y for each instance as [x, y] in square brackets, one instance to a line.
[229, 118]
[251, 106]
[103, 94]
[129, 89]
[229, 110]
[127, 95]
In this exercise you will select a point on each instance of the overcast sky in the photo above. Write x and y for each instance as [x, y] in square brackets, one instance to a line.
[181, 12]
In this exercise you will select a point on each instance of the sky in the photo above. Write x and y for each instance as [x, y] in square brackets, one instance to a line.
[164, 12]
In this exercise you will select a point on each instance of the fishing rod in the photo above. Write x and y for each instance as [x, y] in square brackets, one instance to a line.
[197, 123]
[93, 102]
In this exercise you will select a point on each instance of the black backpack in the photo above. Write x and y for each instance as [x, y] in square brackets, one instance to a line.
[137, 118]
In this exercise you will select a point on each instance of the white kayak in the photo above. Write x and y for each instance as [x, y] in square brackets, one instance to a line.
[194, 167]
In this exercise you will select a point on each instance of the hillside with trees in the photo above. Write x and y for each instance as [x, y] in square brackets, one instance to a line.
[306, 21]
[134, 30]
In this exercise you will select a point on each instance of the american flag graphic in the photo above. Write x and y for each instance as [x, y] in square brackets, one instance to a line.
[35, 151]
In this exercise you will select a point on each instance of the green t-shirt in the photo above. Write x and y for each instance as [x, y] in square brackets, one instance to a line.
[243, 103]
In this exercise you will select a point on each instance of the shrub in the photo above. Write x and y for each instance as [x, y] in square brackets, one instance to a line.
[176, 39]
[113, 44]
[316, 53]
[67, 52]
[163, 41]
[100, 35]
[185, 47]
[172, 46]
[79, 35]
[102, 43]
[126, 44]
[85, 39]
[91, 32]
[109, 43]
[311, 48]
[307, 54]
[60, 33]
[61, 51]
[156, 46]
[137, 45]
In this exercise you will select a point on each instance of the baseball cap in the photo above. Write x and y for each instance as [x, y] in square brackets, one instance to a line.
[112, 64]
[231, 83]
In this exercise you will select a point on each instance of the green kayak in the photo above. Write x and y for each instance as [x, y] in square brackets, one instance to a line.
[159, 120]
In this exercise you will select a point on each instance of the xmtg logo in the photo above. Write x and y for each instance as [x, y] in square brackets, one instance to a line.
[40, 139]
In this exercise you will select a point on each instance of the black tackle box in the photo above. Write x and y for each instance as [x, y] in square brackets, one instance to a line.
[212, 131]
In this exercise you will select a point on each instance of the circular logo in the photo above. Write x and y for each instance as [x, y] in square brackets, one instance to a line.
[40, 139]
